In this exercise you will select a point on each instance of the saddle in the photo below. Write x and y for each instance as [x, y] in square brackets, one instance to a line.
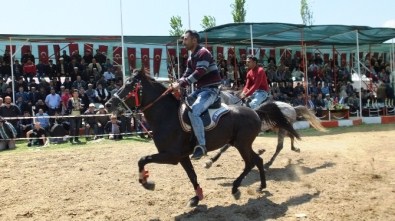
[210, 117]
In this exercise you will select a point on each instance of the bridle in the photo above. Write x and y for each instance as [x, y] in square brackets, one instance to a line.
[136, 93]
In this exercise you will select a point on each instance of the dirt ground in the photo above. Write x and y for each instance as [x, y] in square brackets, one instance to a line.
[340, 176]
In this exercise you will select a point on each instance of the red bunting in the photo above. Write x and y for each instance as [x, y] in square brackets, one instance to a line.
[103, 49]
[73, 47]
[132, 58]
[56, 49]
[220, 52]
[117, 55]
[157, 60]
[145, 58]
[243, 54]
[343, 58]
[7, 47]
[272, 53]
[88, 47]
[43, 53]
[25, 49]
[210, 49]
[262, 53]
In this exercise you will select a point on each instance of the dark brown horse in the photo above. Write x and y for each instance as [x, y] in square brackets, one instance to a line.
[239, 128]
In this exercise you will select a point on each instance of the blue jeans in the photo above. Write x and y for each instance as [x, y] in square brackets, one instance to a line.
[257, 98]
[204, 98]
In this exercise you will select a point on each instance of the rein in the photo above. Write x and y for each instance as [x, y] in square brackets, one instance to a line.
[136, 93]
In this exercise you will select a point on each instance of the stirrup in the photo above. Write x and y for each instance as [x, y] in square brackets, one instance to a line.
[198, 152]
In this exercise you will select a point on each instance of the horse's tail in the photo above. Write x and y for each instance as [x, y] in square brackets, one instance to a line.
[272, 115]
[310, 117]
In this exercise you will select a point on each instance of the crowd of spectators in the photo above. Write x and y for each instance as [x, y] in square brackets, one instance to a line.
[45, 90]
[327, 80]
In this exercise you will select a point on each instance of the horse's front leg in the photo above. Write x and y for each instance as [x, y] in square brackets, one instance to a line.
[188, 167]
[163, 158]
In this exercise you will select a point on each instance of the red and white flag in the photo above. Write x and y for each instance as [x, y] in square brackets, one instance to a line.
[145, 58]
[73, 47]
[88, 47]
[56, 49]
[117, 55]
[157, 60]
[132, 58]
[43, 53]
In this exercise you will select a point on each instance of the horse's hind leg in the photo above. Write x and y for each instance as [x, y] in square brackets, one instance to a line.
[280, 145]
[293, 148]
[188, 167]
[259, 163]
[248, 166]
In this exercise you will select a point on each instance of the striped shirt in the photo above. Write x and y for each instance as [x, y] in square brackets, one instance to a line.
[201, 69]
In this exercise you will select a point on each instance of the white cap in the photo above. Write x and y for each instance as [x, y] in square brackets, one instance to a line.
[91, 105]
[101, 106]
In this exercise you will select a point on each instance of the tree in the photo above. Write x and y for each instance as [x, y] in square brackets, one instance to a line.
[306, 13]
[208, 22]
[239, 13]
[176, 26]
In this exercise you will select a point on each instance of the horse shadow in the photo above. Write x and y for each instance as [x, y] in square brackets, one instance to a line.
[260, 208]
[291, 173]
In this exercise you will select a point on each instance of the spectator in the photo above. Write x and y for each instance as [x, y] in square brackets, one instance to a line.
[101, 94]
[10, 110]
[28, 55]
[100, 57]
[65, 99]
[94, 65]
[36, 136]
[18, 70]
[7, 135]
[51, 70]
[53, 102]
[65, 57]
[43, 118]
[90, 121]
[109, 75]
[26, 124]
[29, 70]
[74, 108]
[78, 83]
[101, 120]
[113, 128]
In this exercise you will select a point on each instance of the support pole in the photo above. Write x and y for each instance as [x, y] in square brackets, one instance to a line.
[360, 77]
[12, 71]
[252, 41]
[122, 45]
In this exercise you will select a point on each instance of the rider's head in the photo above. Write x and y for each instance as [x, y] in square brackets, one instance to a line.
[191, 39]
[251, 61]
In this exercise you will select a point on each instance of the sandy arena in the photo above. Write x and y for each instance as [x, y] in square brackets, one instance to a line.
[339, 176]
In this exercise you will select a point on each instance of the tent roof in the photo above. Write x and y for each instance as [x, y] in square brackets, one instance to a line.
[280, 34]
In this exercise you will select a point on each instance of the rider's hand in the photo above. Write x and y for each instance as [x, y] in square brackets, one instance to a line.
[175, 85]
[242, 95]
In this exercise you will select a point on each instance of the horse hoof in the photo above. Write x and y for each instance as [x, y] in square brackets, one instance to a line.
[194, 201]
[297, 150]
[149, 185]
[266, 166]
[208, 164]
[236, 194]
[260, 189]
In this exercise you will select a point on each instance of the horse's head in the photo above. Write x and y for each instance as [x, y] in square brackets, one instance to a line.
[128, 97]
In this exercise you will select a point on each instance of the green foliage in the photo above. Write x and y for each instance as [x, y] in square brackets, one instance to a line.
[306, 13]
[176, 26]
[239, 12]
[208, 22]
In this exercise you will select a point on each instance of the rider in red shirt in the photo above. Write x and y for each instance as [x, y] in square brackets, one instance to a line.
[256, 86]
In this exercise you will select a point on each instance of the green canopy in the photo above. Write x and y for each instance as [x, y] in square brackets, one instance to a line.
[281, 34]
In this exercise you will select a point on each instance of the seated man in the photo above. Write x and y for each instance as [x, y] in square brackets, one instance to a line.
[38, 135]
[90, 121]
[7, 135]
[113, 128]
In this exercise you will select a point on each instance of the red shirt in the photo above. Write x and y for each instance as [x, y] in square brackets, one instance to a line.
[256, 80]
[29, 68]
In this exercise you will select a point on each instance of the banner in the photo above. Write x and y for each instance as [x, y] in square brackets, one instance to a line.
[73, 47]
[262, 53]
[103, 49]
[132, 58]
[7, 47]
[220, 53]
[88, 47]
[243, 55]
[117, 55]
[210, 49]
[56, 49]
[25, 49]
[343, 57]
[272, 53]
[43, 53]
[184, 53]
[157, 60]
[145, 58]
